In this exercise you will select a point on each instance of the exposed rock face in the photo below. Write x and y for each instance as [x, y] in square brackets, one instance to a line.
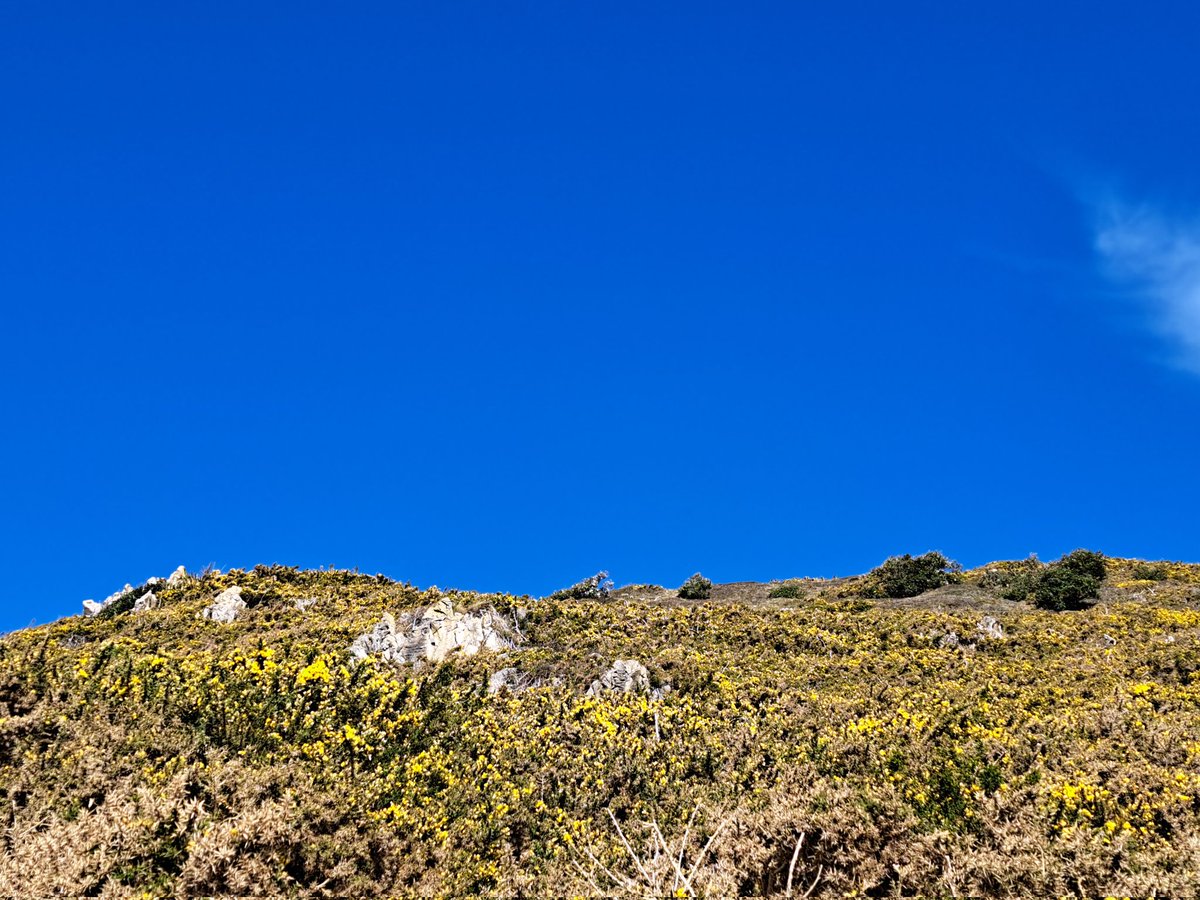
[381, 640]
[508, 680]
[433, 635]
[178, 577]
[146, 602]
[625, 676]
[989, 627]
[226, 607]
[303, 603]
[92, 608]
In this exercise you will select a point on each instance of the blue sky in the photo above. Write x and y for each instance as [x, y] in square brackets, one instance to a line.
[496, 295]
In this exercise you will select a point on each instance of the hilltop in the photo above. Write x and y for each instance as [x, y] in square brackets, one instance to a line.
[329, 733]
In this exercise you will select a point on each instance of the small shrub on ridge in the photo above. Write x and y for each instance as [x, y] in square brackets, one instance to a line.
[696, 588]
[1070, 582]
[791, 590]
[595, 587]
[908, 576]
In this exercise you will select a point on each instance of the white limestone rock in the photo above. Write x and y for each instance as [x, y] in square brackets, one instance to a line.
[509, 679]
[434, 634]
[949, 641]
[379, 640]
[146, 602]
[990, 627]
[625, 676]
[303, 603]
[226, 607]
[178, 577]
[92, 608]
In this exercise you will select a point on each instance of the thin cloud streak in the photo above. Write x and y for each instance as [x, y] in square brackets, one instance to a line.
[1157, 258]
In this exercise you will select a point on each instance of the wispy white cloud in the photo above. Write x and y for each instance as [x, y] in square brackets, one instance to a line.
[1156, 257]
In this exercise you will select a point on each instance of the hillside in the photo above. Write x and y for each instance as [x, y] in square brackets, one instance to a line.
[319, 734]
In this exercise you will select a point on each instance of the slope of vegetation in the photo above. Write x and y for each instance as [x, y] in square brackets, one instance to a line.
[837, 746]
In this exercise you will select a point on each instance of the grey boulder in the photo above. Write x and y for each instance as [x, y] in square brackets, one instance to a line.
[226, 607]
[434, 634]
[625, 676]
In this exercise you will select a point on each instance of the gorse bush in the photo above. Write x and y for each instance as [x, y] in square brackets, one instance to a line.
[595, 587]
[833, 749]
[1086, 563]
[908, 576]
[791, 590]
[696, 588]
[1013, 580]
[1142, 571]
[1070, 582]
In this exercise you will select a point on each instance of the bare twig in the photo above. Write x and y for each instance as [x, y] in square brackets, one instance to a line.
[704, 852]
[792, 867]
[636, 860]
[670, 856]
[617, 879]
[683, 845]
[948, 875]
[812, 887]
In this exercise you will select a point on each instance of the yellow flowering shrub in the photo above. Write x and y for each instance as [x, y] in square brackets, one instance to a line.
[837, 744]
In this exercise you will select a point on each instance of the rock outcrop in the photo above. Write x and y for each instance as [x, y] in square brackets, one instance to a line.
[226, 607]
[949, 641]
[625, 676]
[990, 627]
[146, 602]
[509, 679]
[433, 635]
[92, 608]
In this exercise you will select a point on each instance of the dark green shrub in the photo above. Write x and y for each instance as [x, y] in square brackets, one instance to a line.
[1070, 582]
[1149, 572]
[1014, 580]
[696, 588]
[1084, 562]
[125, 602]
[1060, 589]
[594, 588]
[908, 576]
[792, 590]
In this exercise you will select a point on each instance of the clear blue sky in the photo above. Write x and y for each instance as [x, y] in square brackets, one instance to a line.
[493, 295]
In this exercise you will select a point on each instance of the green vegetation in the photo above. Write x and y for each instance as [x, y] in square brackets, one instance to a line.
[696, 588]
[595, 587]
[1013, 580]
[791, 590]
[909, 576]
[1071, 582]
[125, 602]
[1141, 571]
[839, 745]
